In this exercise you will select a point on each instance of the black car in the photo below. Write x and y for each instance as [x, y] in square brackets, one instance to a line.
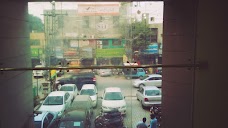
[79, 79]
[75, 119]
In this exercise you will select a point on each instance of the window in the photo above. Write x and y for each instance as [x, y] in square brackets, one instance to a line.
[105, 42]
[115, 21]
[46, 123]
[116, 42]
[154, 35]
[50, 117]
[85, 23]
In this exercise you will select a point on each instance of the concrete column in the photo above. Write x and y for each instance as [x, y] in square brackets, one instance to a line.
[16, 94]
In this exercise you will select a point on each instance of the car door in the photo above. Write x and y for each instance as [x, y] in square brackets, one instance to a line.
[156, 81]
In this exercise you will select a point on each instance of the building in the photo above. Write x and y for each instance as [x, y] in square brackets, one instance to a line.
[194, 96]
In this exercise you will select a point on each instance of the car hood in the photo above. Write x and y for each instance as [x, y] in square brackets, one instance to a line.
[53, 108]
[113, 103]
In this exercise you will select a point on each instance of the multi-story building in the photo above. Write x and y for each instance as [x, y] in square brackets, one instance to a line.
[92, 29]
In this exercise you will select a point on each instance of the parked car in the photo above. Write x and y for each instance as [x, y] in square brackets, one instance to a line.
[113, 99]
[75, 119]
[91, 90]
[82, 102]
[71, 88]
[57, 101]
[39, 73]
[149, 96]
[134, 73]
[45, 119]
[78, 79]
[149, 80]
[105, 72]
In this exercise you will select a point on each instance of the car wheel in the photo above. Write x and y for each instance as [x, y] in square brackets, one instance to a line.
[141, 85]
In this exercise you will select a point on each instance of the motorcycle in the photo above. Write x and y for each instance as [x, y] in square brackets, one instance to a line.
[112, 119]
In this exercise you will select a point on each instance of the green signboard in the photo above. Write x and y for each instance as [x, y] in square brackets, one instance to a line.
[36, 52]
[113, 52]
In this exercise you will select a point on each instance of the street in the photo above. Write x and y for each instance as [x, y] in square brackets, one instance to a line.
[135, 112]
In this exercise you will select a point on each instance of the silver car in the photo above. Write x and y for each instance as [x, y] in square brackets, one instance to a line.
[149, 96]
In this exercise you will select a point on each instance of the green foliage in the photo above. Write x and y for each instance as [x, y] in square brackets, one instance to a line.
[137, 34]
[140, 34]
[35, 24]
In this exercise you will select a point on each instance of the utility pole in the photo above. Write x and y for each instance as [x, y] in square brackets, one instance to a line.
[50, 32]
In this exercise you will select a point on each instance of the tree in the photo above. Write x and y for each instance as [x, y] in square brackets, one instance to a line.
[35, 24]
[140, 35]
[137, 35]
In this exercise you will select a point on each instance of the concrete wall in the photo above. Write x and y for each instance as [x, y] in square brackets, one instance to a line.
[178, 48]
[16, 96]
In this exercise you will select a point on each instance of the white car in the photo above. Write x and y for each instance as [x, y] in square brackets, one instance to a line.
[113, 99]
[105, 72]
[57, 101]
[91, 90]
[39, 73]
[71, 88]
[149, 96]
[149, 80]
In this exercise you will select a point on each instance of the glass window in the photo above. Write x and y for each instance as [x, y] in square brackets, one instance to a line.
[50, 117]
[90, 92]
[113, 96]
[116, 42]
[46, 123]
[105, 42]
[66, 88]
[152, 92]
[53, 100]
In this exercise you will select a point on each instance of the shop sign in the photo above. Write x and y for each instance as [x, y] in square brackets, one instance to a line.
[113, 52]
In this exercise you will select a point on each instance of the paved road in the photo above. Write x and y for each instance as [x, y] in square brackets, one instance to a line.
[134, 110]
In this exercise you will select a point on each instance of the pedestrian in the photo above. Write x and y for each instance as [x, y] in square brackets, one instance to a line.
[142, 124]
[153, 121]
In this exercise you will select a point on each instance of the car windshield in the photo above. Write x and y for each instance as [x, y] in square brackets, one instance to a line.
[142, 78]
[66, 88]
[53, 100]
[152, 92]
[37, 124]
[71, 124]
[113, 96]
[90, 92]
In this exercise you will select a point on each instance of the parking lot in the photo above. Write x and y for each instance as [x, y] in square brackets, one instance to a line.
[134, 109]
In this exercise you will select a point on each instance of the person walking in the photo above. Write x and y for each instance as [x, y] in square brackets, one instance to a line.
[153, 121]
[142, 124]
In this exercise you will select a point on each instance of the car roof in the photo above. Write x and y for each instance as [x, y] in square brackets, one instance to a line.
[40, 117]
[112, 89]
[57, 93]
[88, 86]
[154, 75]
[150, 87]
[78, 115]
